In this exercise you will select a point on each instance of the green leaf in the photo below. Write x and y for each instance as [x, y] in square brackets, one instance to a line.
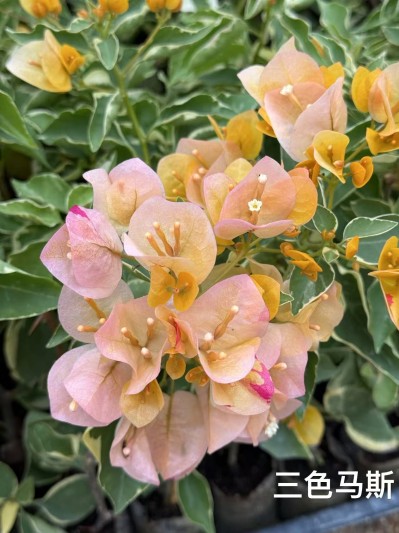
[107, 51]
[367, 427]
[171, 38]
[8, 481]
[23, 295]
[59, 336]
[189, 108]
[370, 247]
[300, 29]
[379, 323]
[352, 330]
[44, 188]
[391, 33]
[69, 501]
[385, 392]
[26, 491]
[8, 515]
[104, 112]
[80, 195]
[196, 500]
[367, 227]
[120, 487]
[34, 524]
[28, 260]
[51, 449]
[305, 291]
[334, 17]
[369, 207]
[329, 254]
[285, 298]
[69, 127]
[224, 42]
[13, 129]
[285, 445]
[253, 8]
[324, 219]
[31, 211]
[310, 381]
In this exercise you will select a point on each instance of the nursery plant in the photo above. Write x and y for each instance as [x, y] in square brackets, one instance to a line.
[199, 225]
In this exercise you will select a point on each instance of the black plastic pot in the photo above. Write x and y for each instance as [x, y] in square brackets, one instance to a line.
[355, 513]
[240, 514]
[172, 524]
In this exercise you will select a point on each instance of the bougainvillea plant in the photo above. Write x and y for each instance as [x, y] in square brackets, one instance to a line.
[233, 240]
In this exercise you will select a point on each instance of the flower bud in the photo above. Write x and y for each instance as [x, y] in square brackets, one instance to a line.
[352, 247]
[116, 7]
[361, 171]
[158, 5]
[41, 8]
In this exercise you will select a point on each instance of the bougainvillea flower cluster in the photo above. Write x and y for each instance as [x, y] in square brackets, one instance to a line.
[200, 348]
[214, 349]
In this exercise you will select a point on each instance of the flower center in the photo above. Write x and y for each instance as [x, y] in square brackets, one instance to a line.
[170, 250]
[254, 205]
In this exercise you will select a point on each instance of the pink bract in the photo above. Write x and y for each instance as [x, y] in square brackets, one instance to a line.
[277, 194]
[173, 444]
[228, 320]
[85, 254]
[84, 387]
[74, 310]
[141, 346]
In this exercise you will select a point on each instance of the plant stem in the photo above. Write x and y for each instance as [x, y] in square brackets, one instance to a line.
[263, 33]
[132, 114]
[136, 273]
[161, 21]
[330, 193]
[358, 150]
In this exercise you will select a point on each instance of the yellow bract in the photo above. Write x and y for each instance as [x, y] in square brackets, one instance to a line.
[332, 73]
[238, 169]
[306, 197]
[361, 85]
[379, 144]
[310, 429]
[352, 247]
[163, 285]
[175, 366]
[174, 171]
[117, 7]
[361, 171]
[270, 291]
[329, 151]
[265, 125]
[142, 408]
[305, 262]
[388, 275]
[311, 166]
[159, 5]
[46, 64]
[242, 129]
[41, 8]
